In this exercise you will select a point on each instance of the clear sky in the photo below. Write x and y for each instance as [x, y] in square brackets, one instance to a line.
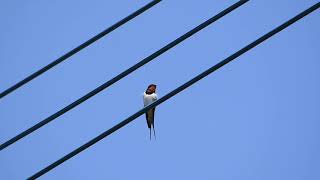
[257, 118]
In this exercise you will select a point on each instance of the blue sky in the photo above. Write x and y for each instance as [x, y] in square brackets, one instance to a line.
[256, 118]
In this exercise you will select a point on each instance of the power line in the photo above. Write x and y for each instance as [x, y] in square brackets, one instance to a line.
[123, 74]
[177, 90]
[77, 49]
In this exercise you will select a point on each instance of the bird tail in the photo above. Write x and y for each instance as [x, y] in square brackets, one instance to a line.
[150, 122]
[150, 133]
[154, 132]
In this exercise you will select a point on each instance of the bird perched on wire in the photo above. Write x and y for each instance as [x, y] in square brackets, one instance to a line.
[149, 96]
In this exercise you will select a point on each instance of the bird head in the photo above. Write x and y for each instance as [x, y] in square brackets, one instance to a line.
[151, 89]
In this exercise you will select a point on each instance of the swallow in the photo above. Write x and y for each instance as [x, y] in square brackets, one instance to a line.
[149, 96]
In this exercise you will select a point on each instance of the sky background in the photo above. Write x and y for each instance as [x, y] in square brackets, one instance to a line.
[256, 118]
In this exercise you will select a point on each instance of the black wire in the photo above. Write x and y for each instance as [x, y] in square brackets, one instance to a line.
[77, 49]
[177, 90]
[123, 74]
